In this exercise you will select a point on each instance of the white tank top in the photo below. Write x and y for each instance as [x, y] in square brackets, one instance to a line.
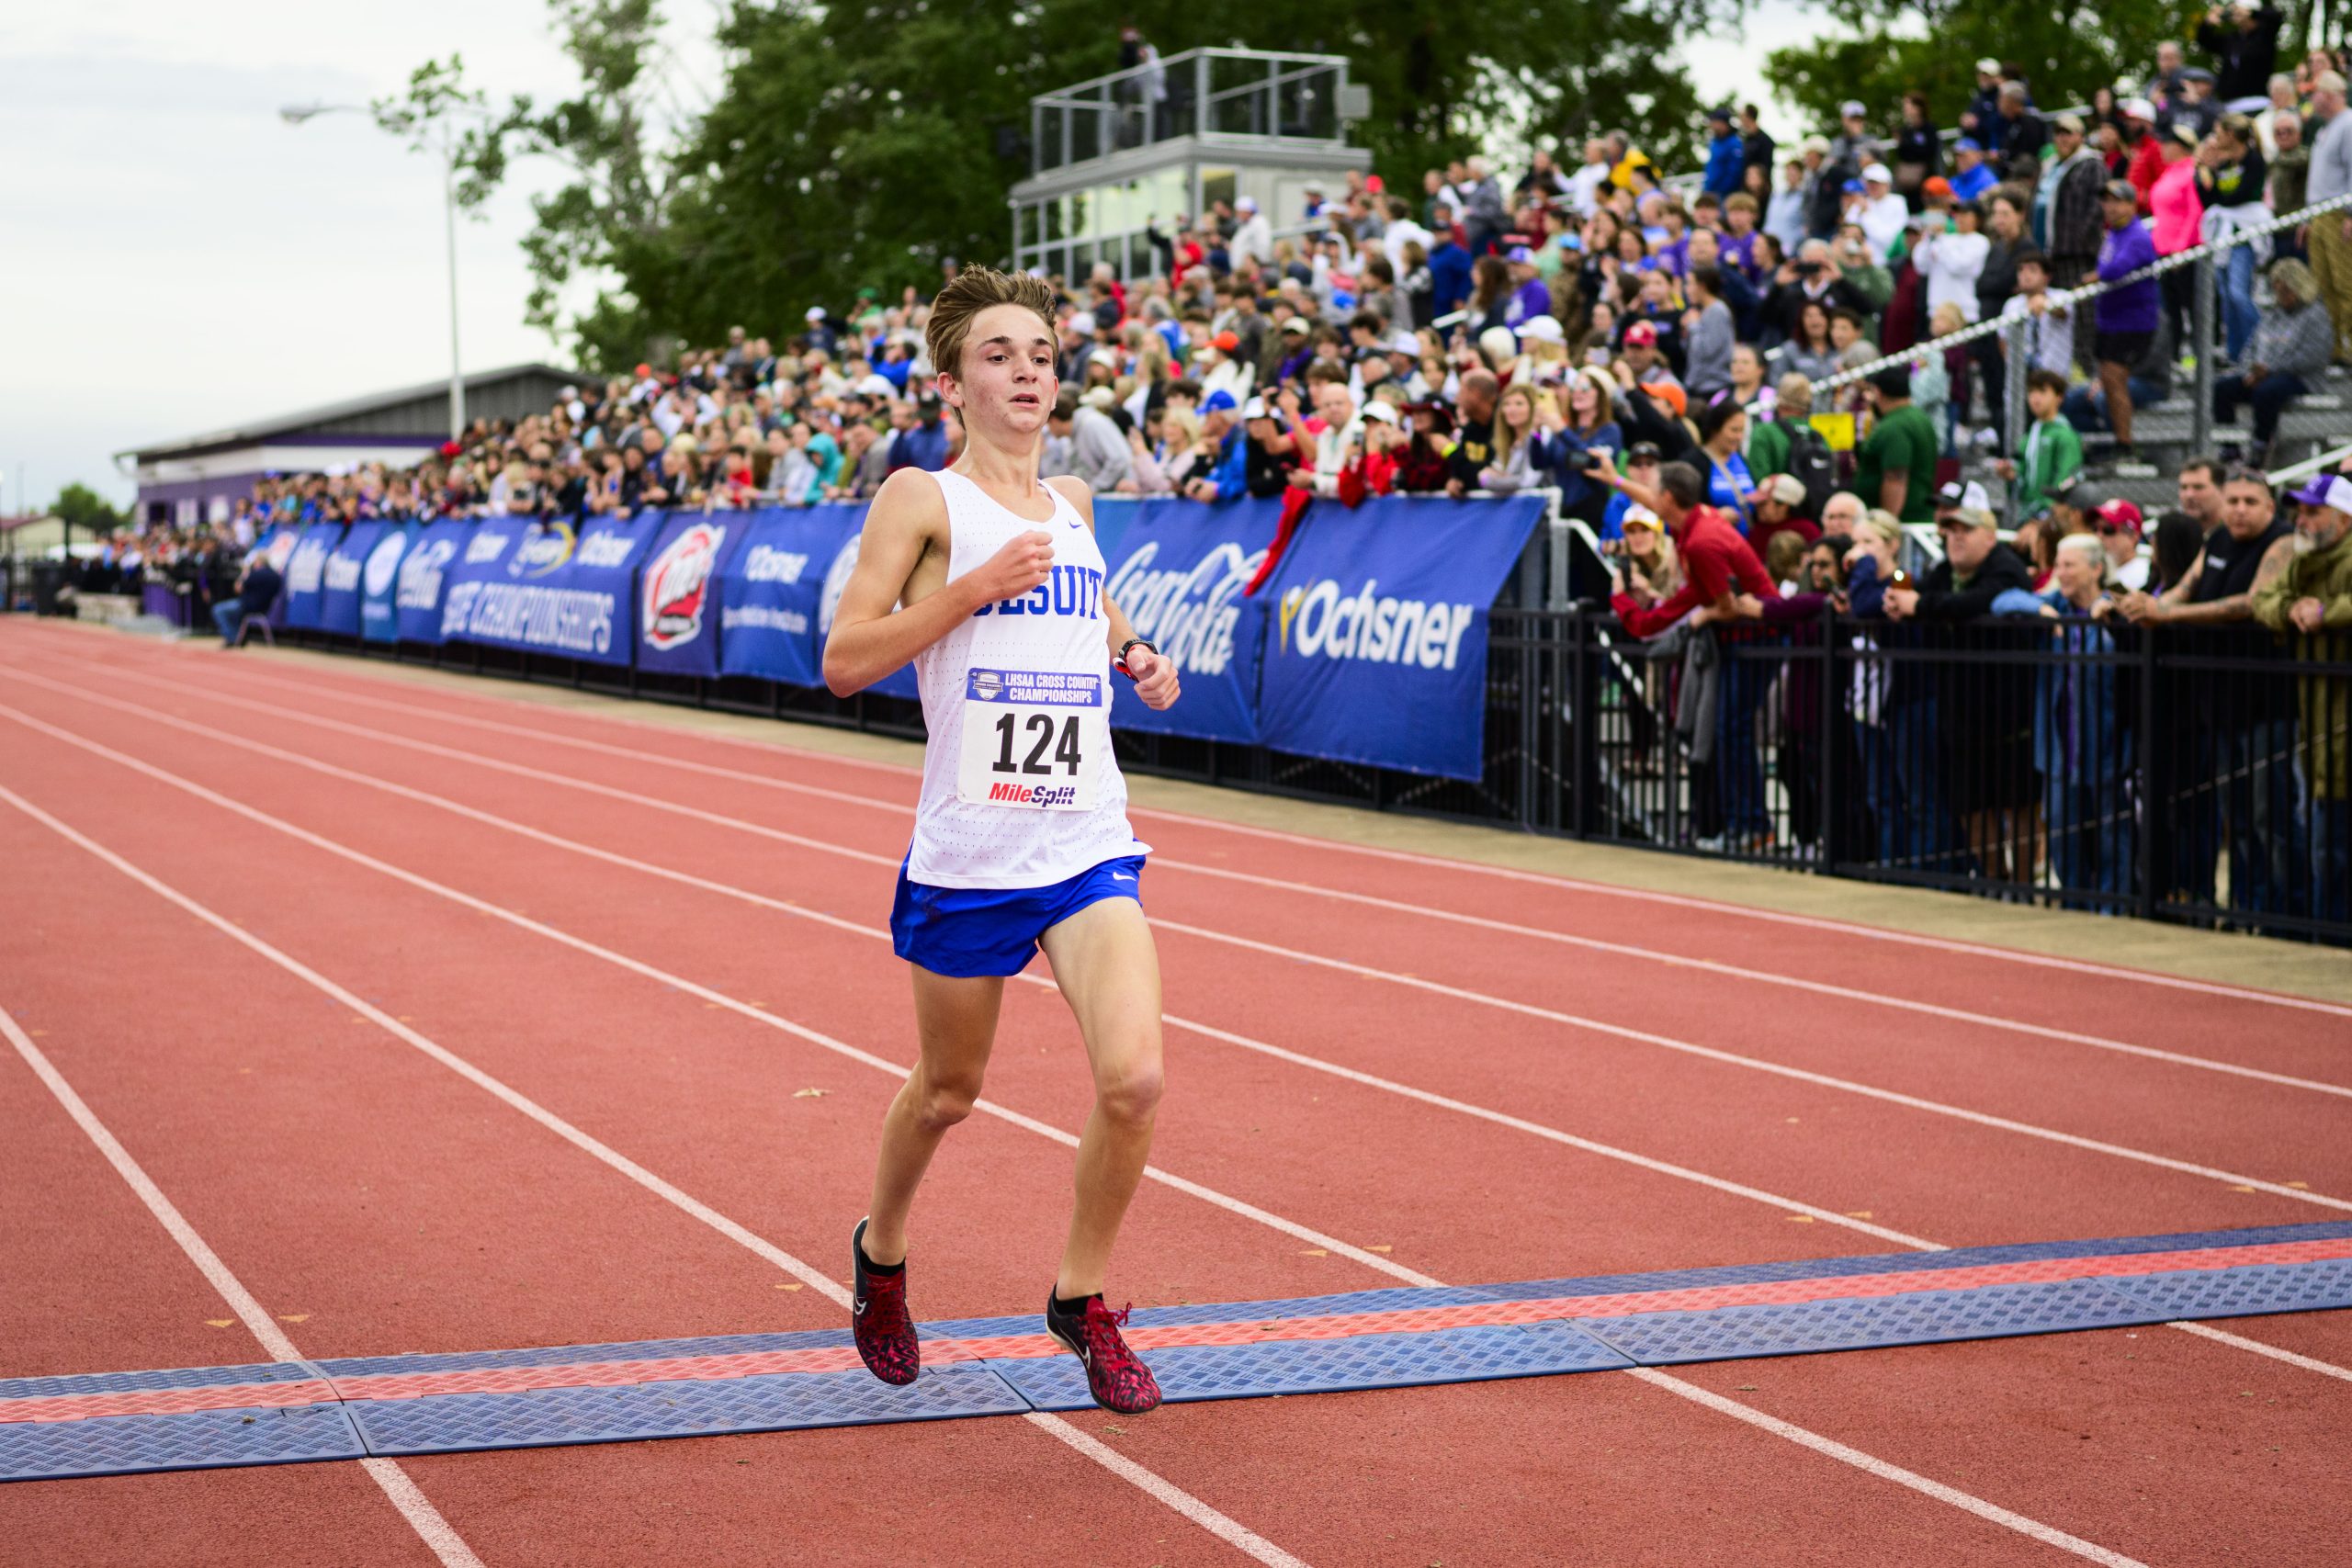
[1019, 785]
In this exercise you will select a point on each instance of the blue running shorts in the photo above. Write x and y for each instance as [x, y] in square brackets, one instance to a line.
[962, 932]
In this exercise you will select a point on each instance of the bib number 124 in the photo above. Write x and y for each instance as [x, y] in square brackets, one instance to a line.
[1033, 739]
[1039, 732]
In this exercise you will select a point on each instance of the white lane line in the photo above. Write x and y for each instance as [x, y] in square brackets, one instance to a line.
[783, 906]
[1183, 1502]
[1766, 977]
[1639, 1036]
[1225, 1527]
[1297, 955]
[436, 1531]
[897, 1070]
[1243, 1041]
[1369, 852]
[902, 810]
[2047, 1534]
[404, 1494]
[2277, 1353]
[1755, 1064]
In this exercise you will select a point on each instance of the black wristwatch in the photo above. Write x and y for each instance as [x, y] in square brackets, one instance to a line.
[1119, 663]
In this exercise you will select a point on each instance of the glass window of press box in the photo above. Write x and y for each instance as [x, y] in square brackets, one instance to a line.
[1113, 158]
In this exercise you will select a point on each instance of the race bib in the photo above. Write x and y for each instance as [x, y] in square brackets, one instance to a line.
[1033, 739]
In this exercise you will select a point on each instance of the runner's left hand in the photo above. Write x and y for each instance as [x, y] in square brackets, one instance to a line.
[1155, 677]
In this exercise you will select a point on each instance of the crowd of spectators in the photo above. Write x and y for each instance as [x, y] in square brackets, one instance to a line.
[1651, 350]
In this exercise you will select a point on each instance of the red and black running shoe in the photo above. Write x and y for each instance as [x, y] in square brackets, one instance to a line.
[885, 1334]
[1114, 1374]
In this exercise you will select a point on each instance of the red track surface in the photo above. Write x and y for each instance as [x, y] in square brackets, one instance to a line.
[374, 1201]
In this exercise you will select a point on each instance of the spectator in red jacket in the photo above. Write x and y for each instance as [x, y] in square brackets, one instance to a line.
[1718, 567]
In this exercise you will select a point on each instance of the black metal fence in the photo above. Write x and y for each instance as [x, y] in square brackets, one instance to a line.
[2196, 774]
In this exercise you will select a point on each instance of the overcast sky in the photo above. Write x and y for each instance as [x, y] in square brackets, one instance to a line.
[177, 258]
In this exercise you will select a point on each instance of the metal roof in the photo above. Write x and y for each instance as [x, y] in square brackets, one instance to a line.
[328, 413]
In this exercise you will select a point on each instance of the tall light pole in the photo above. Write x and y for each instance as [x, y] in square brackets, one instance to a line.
[296, 114]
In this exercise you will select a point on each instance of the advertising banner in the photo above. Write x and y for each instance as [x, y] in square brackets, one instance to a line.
[1377, 650]
[1177, 569]
[550, 587]
[339, 602]
[779, 590]
[677, 592]
[379, 576]
[306, 574]
[423, 580]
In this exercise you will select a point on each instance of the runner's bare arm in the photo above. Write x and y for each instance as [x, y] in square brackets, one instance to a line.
[1155, 675]
[909, 517]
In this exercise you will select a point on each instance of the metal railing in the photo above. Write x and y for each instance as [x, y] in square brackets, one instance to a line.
[1256, 93]
[2201, 775]
[2203, 347]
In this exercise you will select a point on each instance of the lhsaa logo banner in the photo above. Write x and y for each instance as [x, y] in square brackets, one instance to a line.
[1178, 570]
[424, 575]
[1379, 652]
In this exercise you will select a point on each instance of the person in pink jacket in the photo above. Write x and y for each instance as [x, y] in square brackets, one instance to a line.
[2178, 220]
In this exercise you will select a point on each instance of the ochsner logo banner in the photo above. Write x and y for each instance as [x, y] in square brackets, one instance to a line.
[1177, 571]
[378, 617]
[306, 573]
[1379, 647]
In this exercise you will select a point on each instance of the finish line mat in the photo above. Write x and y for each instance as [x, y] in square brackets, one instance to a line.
[276, 1413]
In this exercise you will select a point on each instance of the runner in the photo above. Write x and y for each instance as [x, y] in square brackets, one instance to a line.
[990, 581]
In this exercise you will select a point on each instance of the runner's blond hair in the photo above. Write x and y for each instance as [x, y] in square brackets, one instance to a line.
[973, 289]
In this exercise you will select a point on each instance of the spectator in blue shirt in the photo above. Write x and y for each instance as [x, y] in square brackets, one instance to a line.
[1449, 266]
[925, 445]
[1726, 155]
[1971, 175]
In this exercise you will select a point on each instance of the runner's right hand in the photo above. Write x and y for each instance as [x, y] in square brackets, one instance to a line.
[1025, 561]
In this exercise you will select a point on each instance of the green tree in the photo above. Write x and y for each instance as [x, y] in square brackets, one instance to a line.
[79, 506]
[862, 145]
[2063, 52]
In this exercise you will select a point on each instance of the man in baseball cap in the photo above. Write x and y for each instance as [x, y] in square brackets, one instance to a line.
[2120, 523]
[1641, 352]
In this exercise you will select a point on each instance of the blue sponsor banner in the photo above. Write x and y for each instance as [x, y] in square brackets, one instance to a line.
[779, 590]
[423, 580]
[306, 574]
[1177, 569]
[1377, 649]
[677, 592]
[339, 602]
[278, 544]
[550, 587]
[380, 575]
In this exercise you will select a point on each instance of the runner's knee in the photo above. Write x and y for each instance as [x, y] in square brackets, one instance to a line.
[943, 1101]
[1130, 1094]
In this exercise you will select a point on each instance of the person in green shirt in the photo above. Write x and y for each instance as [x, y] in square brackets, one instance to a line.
[1896, 466]
[1769, 439]
[2053, 453]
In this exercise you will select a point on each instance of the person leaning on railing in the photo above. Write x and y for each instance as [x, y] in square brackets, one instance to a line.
[2310, 604]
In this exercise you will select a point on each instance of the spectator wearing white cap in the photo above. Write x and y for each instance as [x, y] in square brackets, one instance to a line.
[1976, 120]
[1254, 240]
[820, 334]
[1882, 214]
